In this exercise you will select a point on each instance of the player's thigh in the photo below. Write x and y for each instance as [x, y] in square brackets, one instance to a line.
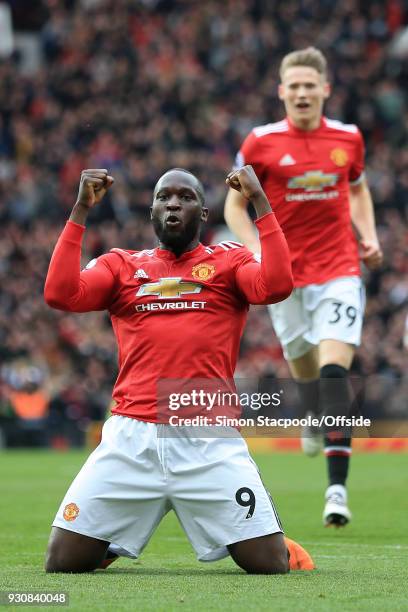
[337, 310]
[219, 496]
[119, 494]
[306, 367]
[291, 322]
[73, 552]
[264, 555]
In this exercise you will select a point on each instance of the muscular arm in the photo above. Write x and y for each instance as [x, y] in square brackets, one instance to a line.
[362, 216]
[270, 281]
[238, 220]
[66, 287]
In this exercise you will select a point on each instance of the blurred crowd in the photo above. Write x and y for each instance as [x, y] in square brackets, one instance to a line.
[138, 87]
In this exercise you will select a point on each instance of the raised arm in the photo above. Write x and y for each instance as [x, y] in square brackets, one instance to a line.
[270, 280]
[66, 287]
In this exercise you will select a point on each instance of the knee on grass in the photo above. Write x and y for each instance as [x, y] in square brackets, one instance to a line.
[278, 565]
[264, 555]
[58, 562]
[70, 552]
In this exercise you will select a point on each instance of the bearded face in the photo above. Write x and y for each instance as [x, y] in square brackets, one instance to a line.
[177, 211]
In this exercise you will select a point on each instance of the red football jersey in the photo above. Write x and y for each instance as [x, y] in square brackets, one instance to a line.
[174, 318]
[306, 176]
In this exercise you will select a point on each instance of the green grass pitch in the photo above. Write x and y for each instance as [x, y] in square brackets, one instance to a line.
[362, 567]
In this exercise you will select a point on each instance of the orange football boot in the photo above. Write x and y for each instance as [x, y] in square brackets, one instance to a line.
[299, 557]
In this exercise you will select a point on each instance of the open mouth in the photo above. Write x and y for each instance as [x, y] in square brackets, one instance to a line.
[173, 221]
[302, 106]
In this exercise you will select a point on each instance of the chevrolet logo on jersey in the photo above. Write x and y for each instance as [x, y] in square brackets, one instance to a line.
[313, 181]
[169, 288]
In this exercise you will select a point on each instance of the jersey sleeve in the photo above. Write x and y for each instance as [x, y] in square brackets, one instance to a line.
[67, 288]
[357, 166]
[268, 279]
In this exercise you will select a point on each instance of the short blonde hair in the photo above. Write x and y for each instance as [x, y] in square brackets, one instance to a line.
[310, 57]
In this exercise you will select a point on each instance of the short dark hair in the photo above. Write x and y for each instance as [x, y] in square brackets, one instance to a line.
[199, 185]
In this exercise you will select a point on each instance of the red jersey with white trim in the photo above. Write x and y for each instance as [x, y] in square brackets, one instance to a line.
[174, 318]
[306, 176]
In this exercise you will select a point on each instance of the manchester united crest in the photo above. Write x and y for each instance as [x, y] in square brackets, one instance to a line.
[339, 157]
[203, 271]
[71, 511]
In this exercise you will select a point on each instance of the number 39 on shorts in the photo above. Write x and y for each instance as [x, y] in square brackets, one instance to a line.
[343, 313]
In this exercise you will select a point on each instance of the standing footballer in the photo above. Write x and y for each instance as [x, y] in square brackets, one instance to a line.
[312, 170]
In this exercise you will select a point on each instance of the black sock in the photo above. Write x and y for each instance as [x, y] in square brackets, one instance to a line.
[338, 459]
[335, 401]
[308, 392]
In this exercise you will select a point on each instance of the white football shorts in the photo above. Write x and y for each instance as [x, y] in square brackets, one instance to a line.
[137, 474]
[330, 311]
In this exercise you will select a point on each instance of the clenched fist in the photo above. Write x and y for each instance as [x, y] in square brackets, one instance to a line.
[93, 186]
[371, 254]
[247, 183]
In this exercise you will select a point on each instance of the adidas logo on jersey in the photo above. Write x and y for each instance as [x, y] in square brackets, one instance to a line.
[287, 160]
[140, 274]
